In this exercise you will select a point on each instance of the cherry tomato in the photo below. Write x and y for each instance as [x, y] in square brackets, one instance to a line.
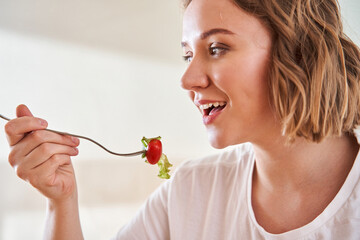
[154, 151]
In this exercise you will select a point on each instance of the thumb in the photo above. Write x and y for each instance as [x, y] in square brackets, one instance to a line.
[22, 110]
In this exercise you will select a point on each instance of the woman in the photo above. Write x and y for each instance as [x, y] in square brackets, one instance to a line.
[277, 79]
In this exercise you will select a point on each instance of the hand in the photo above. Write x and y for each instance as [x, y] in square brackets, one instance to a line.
[41, 157]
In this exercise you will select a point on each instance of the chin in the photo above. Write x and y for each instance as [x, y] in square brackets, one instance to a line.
[217, 141]
[222, 139]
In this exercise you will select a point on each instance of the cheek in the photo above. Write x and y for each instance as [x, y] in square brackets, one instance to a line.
[245, 83]
[242, 79]
[252, 75]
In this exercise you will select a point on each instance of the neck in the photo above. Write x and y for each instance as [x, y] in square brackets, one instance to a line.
[304, 165]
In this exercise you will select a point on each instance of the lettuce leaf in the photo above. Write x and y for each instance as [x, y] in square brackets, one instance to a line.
[164, 166]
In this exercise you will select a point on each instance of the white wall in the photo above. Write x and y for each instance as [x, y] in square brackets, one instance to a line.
[116, 99]
[114, 85]
[351, 19]
[113, 98]
[114, 94]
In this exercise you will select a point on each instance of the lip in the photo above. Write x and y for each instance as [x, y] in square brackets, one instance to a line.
[208, 119]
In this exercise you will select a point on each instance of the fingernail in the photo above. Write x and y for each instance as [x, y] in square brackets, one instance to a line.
[75, 140]
[43, 122]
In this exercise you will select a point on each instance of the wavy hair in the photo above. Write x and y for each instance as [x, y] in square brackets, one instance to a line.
[314, 77]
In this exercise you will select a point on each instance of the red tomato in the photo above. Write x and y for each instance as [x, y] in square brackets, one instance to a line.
[154, 151]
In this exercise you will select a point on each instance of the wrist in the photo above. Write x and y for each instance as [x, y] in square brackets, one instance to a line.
[69, 202]
[62, 219]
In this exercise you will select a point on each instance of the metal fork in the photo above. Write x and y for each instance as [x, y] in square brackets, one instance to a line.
[89, 139]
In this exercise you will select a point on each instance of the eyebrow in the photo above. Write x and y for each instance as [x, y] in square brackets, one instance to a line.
[210, 32]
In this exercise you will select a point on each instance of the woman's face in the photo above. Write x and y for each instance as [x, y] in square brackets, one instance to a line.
[228, 53]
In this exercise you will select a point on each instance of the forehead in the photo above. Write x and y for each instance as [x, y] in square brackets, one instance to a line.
[202, 15]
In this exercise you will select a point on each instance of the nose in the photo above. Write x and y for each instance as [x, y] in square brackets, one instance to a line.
[195, 76]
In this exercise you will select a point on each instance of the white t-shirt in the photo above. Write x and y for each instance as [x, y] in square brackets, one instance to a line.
[210, 199]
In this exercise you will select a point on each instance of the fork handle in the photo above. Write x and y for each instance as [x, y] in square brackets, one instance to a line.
[89, 139]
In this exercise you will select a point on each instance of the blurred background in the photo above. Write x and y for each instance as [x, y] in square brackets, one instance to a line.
[109, 70]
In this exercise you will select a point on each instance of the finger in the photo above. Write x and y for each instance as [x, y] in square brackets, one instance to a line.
[17, 128]
[22, 110]
[41, 154]
[44, 174]
[38, 137]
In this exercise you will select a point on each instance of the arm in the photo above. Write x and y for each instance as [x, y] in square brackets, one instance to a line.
[42, 158]
[62, 220]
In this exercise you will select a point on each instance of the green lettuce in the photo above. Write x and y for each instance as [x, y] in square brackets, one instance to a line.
[164, 166]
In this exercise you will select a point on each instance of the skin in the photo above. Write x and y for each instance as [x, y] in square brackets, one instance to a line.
[287, 178]
[42, 158]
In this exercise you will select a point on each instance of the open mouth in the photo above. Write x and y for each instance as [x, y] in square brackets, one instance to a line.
[212, 108]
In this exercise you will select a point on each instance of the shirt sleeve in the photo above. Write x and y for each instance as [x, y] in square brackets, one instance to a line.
[151, 221]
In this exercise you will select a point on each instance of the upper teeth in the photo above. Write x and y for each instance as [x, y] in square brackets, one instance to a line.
[209, 105]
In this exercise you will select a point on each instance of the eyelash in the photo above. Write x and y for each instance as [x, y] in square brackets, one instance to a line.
[187, 58]
[213, 51]
[220, 51]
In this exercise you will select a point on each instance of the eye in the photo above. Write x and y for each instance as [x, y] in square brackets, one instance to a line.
[217, 49]
[187, 57]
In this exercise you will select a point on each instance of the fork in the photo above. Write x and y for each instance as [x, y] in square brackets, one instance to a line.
[89, 139]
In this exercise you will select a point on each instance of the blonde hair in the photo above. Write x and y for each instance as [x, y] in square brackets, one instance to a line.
[314, 77]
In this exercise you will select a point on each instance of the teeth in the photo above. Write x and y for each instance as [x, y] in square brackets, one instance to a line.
[209, 105]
